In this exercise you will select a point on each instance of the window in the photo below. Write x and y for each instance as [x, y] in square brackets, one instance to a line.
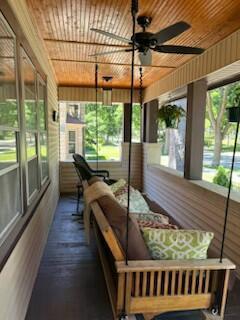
[110, 132]
[71, 142]
[136, 123]
[23, 135]
[172, 141]
[10, 176]
[43, 138]
[74, 110]
[71, 115]
[78, 131]
[219, 138]
[31, 125]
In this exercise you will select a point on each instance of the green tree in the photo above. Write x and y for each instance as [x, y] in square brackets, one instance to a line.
[136, 122]
[217, 102]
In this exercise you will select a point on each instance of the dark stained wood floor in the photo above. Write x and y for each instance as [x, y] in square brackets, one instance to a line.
[70, 283]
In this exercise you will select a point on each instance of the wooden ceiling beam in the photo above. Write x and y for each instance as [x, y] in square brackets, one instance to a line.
[96, 44]
[109, 63]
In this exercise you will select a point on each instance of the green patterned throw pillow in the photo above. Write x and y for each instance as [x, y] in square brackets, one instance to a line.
[177, 244]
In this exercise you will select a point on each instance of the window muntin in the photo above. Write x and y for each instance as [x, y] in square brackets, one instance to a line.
[219, 138]
[10, 177]
[172, 141]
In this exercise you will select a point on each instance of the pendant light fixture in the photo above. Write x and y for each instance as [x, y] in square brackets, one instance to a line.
[107, 92]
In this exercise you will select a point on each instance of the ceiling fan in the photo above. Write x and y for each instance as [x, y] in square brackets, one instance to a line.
[145, 41]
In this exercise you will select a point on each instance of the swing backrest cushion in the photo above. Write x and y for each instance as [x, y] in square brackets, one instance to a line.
[116, 216]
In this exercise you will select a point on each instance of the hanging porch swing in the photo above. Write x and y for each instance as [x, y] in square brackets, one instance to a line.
[151, 287]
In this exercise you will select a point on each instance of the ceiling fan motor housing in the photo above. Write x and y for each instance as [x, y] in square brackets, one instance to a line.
[144, 21]
[145, 40]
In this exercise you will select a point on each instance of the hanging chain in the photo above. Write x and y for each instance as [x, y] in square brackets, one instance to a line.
[96, 89]
[141, 87]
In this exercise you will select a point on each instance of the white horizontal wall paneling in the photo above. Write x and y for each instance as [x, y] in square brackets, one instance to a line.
[194, 207]
[89, 94]
[224, 53]
[117, 170]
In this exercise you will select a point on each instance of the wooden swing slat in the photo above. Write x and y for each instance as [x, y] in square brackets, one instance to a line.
[153, 287]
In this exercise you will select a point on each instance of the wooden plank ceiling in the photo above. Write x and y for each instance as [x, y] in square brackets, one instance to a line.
[65, 27]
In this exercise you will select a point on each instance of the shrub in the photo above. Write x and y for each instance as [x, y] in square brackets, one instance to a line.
[91, 158]
[222, 177]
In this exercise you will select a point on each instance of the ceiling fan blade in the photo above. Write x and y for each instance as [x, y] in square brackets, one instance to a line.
[111, 35]
[109, 52]
[178, 49]
[170, 32]
[145, 58]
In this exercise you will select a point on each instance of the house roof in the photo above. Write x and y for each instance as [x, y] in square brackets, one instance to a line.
[74, 120]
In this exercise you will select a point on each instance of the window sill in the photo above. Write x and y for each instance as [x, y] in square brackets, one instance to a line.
[222, 191]
[117, 162]
[166, 169]
[219, 190]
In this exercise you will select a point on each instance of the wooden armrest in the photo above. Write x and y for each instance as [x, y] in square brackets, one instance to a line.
[153, 265]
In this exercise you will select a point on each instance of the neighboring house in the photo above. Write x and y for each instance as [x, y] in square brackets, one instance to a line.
[71, 129]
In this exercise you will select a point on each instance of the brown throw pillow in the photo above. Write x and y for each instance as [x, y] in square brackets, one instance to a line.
[116, 216]
[94, 179]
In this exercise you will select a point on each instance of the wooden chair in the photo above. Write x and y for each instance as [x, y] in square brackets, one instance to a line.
[86, 171]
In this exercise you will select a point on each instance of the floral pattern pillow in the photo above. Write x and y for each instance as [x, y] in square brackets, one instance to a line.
[152, 216]
[118, 185]
[137, 202]
[155, 224]
[123, 190]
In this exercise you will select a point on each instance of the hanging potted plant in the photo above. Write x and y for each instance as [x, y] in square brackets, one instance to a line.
[234, 110]
[171, 115]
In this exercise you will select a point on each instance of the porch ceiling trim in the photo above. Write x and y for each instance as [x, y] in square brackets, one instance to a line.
[220, 55]
[88, 94]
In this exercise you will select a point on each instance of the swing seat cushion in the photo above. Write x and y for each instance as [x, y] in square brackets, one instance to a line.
[166, 244]
[116, 216]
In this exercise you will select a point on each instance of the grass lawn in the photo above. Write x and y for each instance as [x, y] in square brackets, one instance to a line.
[106, 152]
[10, 155]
